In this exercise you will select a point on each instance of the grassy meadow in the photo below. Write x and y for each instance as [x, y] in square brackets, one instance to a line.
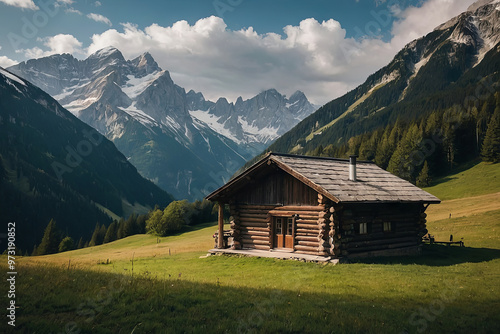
[144, 284]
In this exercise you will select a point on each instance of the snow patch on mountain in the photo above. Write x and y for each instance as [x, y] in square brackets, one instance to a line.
[136, 103]
[212, 121]
[11, 77]
[135, 86]
[67, 91]
[140, 115]
[264, 135]
[77, 105]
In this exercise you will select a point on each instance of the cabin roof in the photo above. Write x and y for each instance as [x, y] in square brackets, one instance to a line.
[330, 177]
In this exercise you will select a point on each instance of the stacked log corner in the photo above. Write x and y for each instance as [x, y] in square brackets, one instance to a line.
[335, 240]
[422, 226]
[235, 227]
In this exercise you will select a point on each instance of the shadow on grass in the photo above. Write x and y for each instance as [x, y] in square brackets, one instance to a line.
[440, 256]
[93, 302]
[456, 170]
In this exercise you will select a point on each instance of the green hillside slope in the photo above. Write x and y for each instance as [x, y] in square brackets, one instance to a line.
[155, 285]
[54, 166]
[480, 179]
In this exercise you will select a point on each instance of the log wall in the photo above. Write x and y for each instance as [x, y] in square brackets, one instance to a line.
[408, 225]
[327, 228]
[253, 226]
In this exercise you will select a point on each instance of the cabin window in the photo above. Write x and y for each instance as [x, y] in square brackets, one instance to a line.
[279, 226]
[387, 227]
[290, 226]
[363, 228]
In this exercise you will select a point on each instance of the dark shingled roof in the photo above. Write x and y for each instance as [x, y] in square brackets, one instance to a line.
[330, 177]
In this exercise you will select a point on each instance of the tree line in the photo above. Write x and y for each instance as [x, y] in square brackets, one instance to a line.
[431, 145]
[160, 222]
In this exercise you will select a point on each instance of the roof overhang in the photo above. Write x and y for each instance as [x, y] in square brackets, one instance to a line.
[223, 193]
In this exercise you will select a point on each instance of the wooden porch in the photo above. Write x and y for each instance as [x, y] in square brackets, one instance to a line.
[275, 254]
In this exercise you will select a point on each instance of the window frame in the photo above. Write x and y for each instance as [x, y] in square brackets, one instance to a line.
[363, 228]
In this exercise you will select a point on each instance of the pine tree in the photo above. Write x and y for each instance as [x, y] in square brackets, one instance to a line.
[318, 151]
[98, 235]
[50, 241]
[80, 243]
[120, 234]
[102, 233]
[423, 179]
[141, 224]
[130, 227]
[35, 251]
[387, 145]
[66, 244]
[407, 155]
[110, 233]
[490, 151]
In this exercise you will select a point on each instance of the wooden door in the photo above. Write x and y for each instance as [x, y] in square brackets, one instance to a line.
[283, 232]
[289, 233]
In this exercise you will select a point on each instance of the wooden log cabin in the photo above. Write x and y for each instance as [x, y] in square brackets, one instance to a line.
[323, 206]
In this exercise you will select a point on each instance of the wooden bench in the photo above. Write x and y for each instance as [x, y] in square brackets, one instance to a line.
[431, 240]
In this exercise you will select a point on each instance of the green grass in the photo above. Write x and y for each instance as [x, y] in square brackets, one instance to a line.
[482, 178]
[184, 293]
[447, 289]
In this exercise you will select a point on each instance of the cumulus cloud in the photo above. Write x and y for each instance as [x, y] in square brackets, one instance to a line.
[99, 18]
[315, 57]
[415, 22]
[6, 62]
[24, 4]
[58, 44]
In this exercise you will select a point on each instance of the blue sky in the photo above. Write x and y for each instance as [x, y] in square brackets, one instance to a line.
[230, 48]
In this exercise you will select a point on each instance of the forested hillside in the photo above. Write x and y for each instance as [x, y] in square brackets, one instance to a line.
[436, 102]
[54, 166]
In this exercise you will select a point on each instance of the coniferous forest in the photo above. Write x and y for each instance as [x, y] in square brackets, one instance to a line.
[431, 145]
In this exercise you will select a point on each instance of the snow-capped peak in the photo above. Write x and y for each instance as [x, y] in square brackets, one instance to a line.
[105, 52]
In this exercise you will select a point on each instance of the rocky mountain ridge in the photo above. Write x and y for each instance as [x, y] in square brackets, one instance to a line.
[138, 106]
[455, 61]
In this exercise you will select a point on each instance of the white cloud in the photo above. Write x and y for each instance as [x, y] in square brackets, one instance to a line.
[6, 62]
[73, 11]
[24, 4]
[97, 4]
[315, 57]
[415, 22]
[65, 2]
[99, 18]
[58, 44]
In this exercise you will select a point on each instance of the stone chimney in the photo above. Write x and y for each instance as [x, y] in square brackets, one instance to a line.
[352, 167]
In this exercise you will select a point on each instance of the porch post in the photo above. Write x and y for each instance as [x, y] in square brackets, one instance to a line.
[221, 226]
